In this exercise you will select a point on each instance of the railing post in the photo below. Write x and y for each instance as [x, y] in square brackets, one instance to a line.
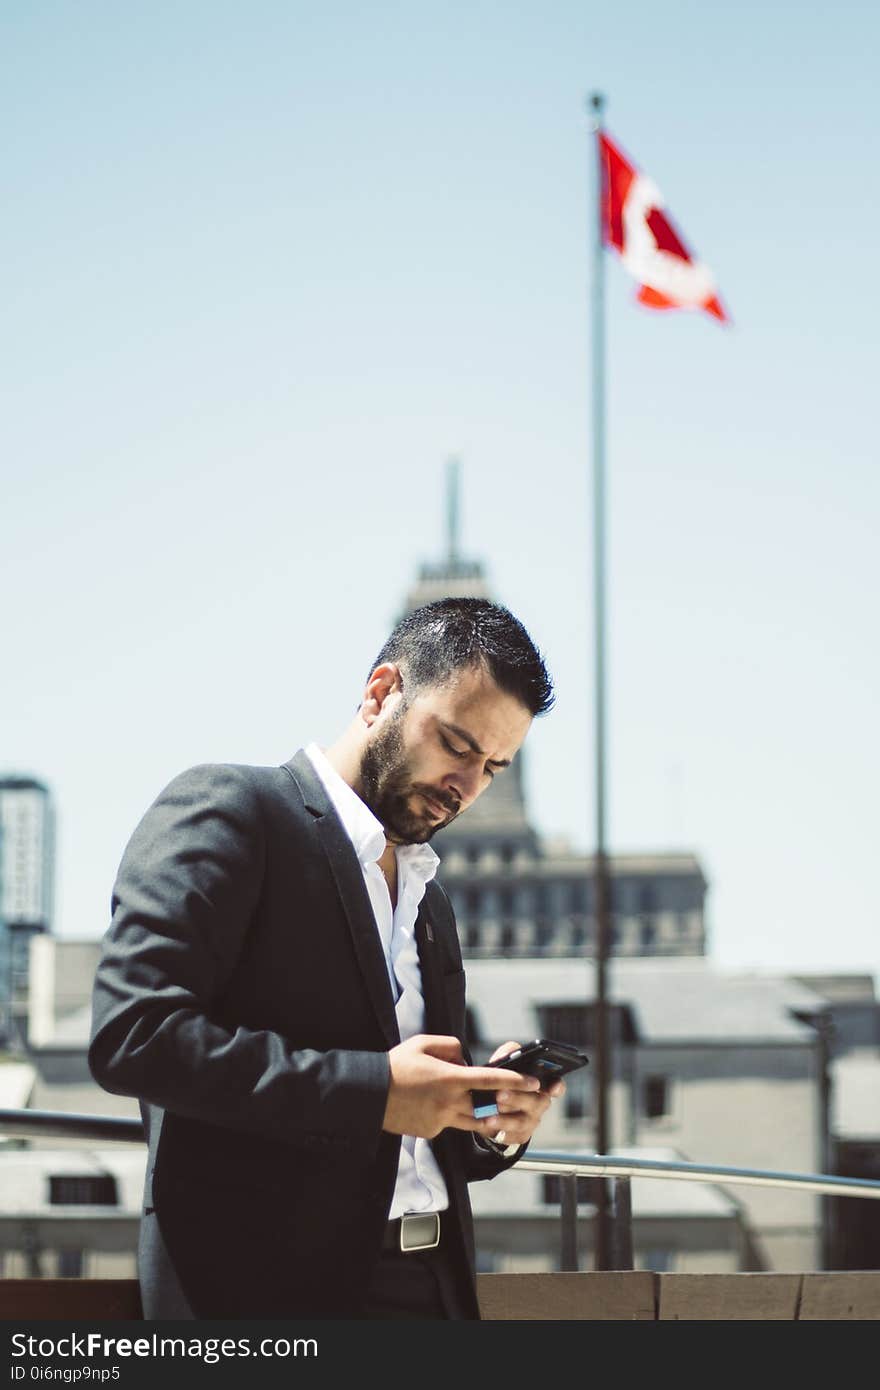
[32, 1251]
[568, 1254]
[621, 1228]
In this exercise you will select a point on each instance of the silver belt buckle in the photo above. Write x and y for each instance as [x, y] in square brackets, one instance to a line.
[420, 1230]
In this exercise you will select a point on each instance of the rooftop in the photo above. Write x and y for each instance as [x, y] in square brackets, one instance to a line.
[673, 1000]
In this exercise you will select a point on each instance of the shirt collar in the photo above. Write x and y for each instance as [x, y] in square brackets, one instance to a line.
[363, 829]
[366, 832]
[421, 863]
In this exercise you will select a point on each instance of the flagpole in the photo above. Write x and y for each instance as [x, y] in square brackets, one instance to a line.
[601, 878]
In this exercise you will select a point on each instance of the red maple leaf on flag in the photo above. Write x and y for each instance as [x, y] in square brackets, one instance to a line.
[635, 223]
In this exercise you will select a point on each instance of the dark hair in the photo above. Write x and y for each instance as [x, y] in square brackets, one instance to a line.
[432, 643]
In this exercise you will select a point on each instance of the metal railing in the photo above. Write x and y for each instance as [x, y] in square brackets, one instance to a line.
[63, 1124]
[567, 1167]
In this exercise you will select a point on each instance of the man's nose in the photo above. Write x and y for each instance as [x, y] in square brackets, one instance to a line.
[465, 783]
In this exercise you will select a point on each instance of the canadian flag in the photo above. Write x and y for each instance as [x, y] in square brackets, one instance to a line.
[634, 223]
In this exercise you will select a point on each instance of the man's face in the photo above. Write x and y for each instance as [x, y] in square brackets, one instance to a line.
[430, 756]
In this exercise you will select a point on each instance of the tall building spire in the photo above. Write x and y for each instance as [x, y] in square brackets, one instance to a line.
[452, 576]
[501, 811]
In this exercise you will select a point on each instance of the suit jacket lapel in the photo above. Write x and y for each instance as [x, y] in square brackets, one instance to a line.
[349, 880]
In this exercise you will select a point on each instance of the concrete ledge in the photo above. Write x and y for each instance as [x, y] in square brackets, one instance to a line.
[618, 1296]
[614, 1296]
[723, 1297]
[840, 1296]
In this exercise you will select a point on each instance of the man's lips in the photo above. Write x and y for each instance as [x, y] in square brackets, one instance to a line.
[437, 808]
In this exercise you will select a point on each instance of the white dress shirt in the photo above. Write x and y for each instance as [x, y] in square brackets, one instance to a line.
[420, 1185]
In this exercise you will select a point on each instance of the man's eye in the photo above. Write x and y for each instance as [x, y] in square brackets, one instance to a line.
[456, 752]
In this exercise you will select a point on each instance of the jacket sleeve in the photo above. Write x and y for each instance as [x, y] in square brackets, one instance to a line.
[182, 904]
[486, 1162]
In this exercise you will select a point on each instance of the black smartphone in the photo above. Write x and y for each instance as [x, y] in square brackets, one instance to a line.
[543, 1058]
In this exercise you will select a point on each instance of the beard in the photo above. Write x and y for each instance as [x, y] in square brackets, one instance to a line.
[387, 787]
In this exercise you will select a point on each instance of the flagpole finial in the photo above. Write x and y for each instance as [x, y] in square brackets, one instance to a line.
[596, 105]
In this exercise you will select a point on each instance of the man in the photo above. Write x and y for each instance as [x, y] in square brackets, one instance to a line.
[281, 986]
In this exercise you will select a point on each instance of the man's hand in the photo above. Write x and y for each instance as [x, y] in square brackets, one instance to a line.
[519, 1112]
[431, 1090]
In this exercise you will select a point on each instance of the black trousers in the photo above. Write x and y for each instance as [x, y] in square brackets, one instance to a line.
[421, 1284]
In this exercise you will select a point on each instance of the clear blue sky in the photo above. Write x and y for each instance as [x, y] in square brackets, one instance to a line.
[266, 266]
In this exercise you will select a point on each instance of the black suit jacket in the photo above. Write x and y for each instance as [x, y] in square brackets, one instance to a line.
[242, 996]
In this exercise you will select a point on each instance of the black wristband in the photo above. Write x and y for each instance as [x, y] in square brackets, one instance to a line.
[503, 1150]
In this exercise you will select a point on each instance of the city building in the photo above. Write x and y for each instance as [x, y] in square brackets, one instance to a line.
[62, 975]
[70, 1213]
[854, 1047]
[67, 1210]
[27, 868]
[711, 1065]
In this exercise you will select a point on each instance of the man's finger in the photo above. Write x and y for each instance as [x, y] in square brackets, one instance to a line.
[465, 1119]
[495, 1079]
[439, 1045]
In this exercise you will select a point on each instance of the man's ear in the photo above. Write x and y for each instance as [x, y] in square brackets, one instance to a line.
[385, 683]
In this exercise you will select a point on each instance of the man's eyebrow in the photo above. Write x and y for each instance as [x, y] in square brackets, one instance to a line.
[472, 743]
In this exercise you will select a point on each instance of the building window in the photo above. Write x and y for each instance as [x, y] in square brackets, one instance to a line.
[647, 897]
[71, 1264]
[473, 902]
[567, 1023]
[507, 854]
[649, 935]
[578, 1098]
[87, 1190]
[575, 1024]
[577, 898]
[543, 935]
[655, 1097]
